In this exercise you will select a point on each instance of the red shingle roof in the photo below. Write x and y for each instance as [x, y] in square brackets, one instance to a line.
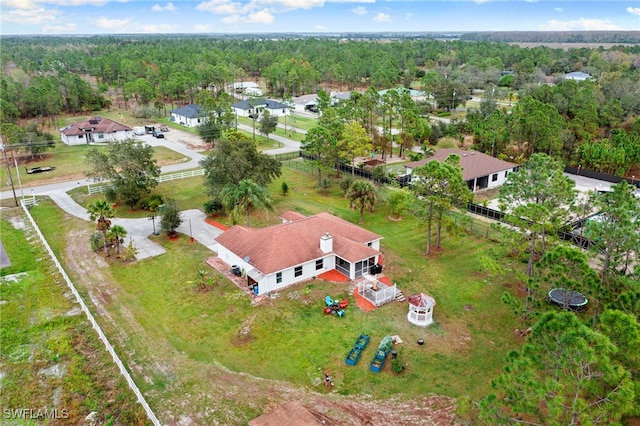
[474, 164]
[94, 125]
[282, 246]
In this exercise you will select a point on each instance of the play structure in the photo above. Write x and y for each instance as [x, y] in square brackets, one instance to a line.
[381, 354]
[421, 309]
[335, 306]
[356, 351]
[567, 299]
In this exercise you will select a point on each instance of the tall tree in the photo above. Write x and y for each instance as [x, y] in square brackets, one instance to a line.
[241, 198]
[615, 234]
[362, 195]
[170, 220]
[101, 212]
[566, 374]
[116, 234]
[438, 186]
[537, 198]
[236, 158]
[322, 140]
[354, 142]
[268, 123]
[129, 166]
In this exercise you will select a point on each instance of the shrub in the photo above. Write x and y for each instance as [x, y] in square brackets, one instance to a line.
[96, 240]
[284, 187]
[447, 142]
[345, 183]
[213, 207]
[110, 195]
[324, 184]
[152, 202]
[397, 365]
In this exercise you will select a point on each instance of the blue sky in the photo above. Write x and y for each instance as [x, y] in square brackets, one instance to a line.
[259, 16]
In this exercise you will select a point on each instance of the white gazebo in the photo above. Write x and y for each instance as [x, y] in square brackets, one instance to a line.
[421, 309]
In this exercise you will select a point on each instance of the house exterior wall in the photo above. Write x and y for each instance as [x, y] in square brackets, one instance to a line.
[98, 137]
[277, 112]
[500, 179]
[185, 121]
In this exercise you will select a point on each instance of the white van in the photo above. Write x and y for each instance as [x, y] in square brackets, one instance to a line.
[138, 131]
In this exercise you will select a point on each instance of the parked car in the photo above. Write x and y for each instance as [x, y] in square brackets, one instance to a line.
[158, 134]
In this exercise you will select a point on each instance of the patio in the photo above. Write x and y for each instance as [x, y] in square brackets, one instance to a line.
[375, 290]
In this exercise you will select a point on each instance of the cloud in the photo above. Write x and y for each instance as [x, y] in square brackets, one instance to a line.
[112, 24]
[169, 7]
[221, 7]
[558, 9]
[360, 10]
[580, 24]
[382, 17]
[58, 29]
[319, 27]
[633, 10]
[75, 2]
[260, 17]
[408, 16]
[29, 16]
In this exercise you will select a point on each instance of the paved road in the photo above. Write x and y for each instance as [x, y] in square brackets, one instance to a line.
[193, 221]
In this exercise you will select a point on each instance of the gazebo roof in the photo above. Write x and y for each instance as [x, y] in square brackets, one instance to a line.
[422, 300]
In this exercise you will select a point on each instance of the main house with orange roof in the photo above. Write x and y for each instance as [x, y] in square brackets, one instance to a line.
[95, 130]
[299, 249]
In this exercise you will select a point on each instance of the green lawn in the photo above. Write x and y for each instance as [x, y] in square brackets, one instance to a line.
[69, 163]
[291, 338]
[49, 350]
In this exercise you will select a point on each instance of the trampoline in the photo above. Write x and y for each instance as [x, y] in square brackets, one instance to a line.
[567, 298]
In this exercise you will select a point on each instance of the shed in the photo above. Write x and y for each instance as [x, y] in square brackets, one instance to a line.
[421, 309]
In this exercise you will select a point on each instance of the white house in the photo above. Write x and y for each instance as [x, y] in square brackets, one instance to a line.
[250, 106]
[480, 171]
[95, 130]
[299, 249]
[189, 115]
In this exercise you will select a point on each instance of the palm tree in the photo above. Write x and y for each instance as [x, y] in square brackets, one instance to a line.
[101, 211]
[362, 195]
[244, 196]
[116, 234]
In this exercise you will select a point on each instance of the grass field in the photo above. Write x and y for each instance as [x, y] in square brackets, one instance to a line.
[69, 163]
[290, 338]
[51, 357]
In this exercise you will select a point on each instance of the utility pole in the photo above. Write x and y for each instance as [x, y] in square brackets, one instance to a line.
[6, 162]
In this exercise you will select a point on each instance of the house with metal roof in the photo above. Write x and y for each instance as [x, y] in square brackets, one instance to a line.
[480, 171]
[577, 76]
[189, 115]
[95, 130]
[299, 249]
[251, 106]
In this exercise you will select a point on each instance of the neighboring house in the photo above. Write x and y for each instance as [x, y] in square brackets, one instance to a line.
[95, 130]
[299, 249]
[577, 76]
[415, 94]
[189, 115]
[480, 171]
[257, 105]
[242, 86]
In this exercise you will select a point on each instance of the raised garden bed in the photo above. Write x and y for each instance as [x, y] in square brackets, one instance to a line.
[356, 352]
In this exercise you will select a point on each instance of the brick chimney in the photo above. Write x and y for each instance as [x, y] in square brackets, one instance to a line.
[326, 243]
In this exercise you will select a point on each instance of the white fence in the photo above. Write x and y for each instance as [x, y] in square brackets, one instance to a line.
[95, 188]
[96, 327]
[376, 291]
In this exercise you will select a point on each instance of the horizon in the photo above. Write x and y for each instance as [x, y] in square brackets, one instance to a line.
[238, 17]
